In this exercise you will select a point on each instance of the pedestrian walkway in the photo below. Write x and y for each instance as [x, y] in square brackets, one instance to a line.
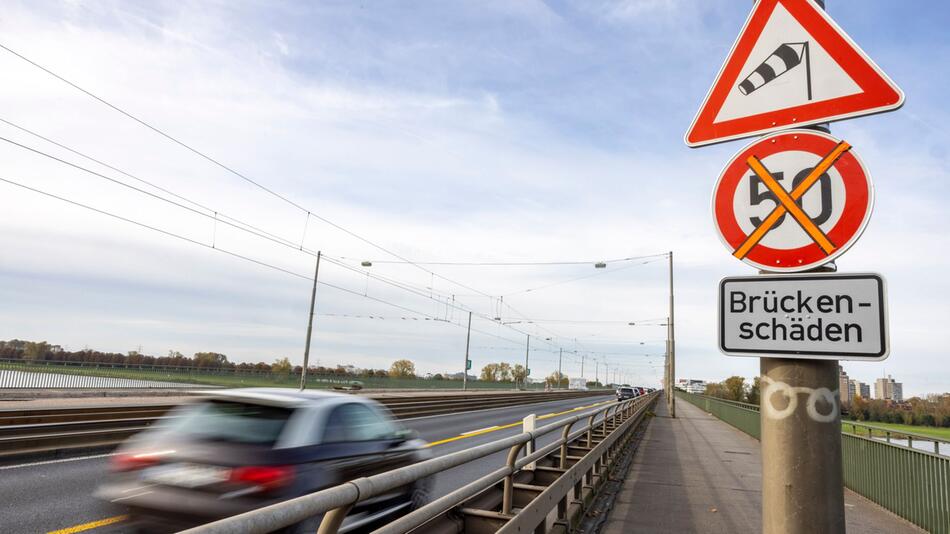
[697, 474]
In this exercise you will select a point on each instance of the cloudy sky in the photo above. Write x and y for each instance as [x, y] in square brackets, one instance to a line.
[477, 132]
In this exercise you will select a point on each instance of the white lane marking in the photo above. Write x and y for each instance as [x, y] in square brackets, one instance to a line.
[131, 496]
[479, 430]
[60, 461]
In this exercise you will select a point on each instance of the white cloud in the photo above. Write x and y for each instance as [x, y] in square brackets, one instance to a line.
[435, 173]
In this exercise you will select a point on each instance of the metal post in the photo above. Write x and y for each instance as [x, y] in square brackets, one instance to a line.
[583, 358]
[527, 349]
[306, 350]
[560, 355]
[468, 339]
[671, 335]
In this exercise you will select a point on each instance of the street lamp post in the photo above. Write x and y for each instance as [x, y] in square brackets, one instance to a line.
[527, 349]
[306, 350]
[468, 338]
[560, 356]
[671, 352]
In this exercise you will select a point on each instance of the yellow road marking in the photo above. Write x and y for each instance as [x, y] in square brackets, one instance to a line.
[796, 193]
[91, 525]
[472, 434]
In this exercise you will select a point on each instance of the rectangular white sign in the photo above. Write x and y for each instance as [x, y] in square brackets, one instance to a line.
[814, 316]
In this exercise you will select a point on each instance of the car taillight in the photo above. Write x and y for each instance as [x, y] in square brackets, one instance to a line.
[266, 476]
[131, 462]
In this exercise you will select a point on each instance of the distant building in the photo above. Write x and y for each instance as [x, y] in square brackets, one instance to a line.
[691, 385]
[860, 389]
[845, 387]
[888, 389]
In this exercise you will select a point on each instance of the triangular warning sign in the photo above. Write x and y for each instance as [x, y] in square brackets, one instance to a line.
[791, 66]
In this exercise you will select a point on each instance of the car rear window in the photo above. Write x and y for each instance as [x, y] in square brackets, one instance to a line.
[235, 422]
[626, 390]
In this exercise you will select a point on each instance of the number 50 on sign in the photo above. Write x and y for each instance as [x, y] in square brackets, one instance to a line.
[792, 201]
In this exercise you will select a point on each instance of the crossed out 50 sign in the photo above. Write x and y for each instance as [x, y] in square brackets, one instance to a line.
[792, 201]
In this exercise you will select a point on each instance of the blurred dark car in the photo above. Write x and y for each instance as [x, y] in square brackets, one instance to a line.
[238, 450]
[626, 392]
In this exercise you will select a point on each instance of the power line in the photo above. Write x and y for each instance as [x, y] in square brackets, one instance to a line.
[235, 173]
[247, 179]
[154, 228]
[585, 277]
[239, 256]
[232, 170]
[215, 216]
[514, 264]
[125, 173]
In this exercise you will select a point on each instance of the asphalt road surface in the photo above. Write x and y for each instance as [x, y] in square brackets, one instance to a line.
[57, 495]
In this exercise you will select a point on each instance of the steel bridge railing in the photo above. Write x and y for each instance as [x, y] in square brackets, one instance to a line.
[912, 483]
[567, 492]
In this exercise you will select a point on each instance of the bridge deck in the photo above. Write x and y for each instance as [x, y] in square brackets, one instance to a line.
[698, 474]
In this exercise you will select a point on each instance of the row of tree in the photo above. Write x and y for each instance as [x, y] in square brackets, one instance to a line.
[931, 410]
[30, 351]
[735, 388]
[41, 351]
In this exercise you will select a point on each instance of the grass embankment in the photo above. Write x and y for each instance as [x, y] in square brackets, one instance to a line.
[936, 432]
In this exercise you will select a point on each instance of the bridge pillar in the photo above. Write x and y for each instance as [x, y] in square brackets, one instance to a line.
[802, 481]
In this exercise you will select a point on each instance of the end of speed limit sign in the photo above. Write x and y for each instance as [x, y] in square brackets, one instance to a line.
[792, 201]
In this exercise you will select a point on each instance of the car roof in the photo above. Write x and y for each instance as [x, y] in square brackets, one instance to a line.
[285, 397]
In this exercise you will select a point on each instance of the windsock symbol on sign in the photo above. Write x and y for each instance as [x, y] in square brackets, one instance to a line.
[786, 57]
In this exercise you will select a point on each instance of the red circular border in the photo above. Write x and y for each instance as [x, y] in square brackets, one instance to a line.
[854, 217]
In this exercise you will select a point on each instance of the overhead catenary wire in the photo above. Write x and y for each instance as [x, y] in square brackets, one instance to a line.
[514, 263]
[216, 216]
[234, 254]
[577, 279]
[231, 170]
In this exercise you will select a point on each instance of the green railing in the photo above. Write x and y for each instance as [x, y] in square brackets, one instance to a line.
[743, 416]
[890, 433]
[912, 483]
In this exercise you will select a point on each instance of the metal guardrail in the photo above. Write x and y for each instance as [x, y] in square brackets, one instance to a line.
[890, 433]
[561, 485]
[40, 431]
[911, 483]
[23, 374]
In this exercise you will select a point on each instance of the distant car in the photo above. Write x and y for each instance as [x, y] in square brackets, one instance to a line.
[242, 449]
[626, 392]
